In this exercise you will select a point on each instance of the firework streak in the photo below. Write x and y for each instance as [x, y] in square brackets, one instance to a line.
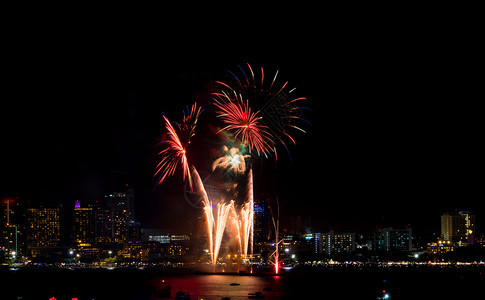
[174, 152]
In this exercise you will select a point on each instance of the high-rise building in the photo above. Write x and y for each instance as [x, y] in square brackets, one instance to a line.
[339, 243]
[134, 233]
[113, 217]
[9, 229]
[118, 205]
[83, 225]
[446, 229]
[43, 229]
[10, 241]
[103, 233]
[130, 203]
[332, 243]
[261, 220]
[389, 238]
[458, 227]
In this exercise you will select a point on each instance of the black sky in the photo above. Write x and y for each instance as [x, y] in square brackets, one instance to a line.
[396, 117]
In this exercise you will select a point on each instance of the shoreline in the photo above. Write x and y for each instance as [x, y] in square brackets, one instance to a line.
[265, 271]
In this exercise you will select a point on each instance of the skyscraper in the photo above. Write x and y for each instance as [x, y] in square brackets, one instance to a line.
[43, 230]
[118, 206]
[83, 225]
[458, 227]
[446, 229]
[9, 229]
[113, 217]
[103, 233]
[130, 203]
[261, 220]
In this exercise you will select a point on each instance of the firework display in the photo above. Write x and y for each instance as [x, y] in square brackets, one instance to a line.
[260, 115]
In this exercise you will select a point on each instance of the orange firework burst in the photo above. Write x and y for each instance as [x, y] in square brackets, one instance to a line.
[174, 152]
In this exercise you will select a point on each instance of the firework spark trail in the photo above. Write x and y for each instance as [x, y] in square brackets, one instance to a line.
[233, 161]
[210, 228]
[189, 121]
[223, 211]
[251, 205]
[235, 221]
[207, 210]
[244, 227]
[246, 216]
[274, 257]
[215, 225]
[236, 162]
[172, 155]
[176, 144]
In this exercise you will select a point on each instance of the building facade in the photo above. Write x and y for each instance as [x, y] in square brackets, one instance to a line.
[43, 230]
[389, 238]
[113, 216]
[83, 225]
[458, 227]
[261, 220]
[332, 243]
[10, 233]
[10, 241]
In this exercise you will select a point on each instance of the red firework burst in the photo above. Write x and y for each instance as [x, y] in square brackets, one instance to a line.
[262, 113]
[174, 151]
[245, 123]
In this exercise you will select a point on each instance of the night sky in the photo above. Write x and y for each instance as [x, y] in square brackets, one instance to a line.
[396, 134]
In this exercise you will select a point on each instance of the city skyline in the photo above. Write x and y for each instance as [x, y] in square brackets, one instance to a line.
[428, 223]
[119, 206]
[104, 230]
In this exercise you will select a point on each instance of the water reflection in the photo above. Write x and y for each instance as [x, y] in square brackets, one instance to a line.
[220, 286]
[384, 289]
[135, 285]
